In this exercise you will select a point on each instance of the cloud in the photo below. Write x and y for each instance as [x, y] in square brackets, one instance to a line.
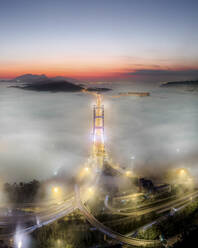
[43, 132]
[152, 128]
[163, 72]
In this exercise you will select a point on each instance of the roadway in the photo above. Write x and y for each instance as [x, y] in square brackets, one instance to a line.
[106, 230]
[55, 211]
[129, 239]
[31, 222]
[159, 208]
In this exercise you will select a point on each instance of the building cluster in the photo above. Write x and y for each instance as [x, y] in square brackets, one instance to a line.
[146, 185]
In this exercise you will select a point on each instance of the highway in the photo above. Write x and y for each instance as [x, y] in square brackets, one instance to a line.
[18, 213]
[129, 196]
[35, 221]
[129, 238]
[106, 230]
[53, 212]
[159, 208]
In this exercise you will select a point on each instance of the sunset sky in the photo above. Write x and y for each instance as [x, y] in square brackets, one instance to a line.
[99, 40]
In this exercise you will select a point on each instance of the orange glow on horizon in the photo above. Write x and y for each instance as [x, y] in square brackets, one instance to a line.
[86, 68]
[74, 68]
[11, 75]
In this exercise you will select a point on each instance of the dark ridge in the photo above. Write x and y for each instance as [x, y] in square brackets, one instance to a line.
[56, 86]
[27, 78]
[181, 83]
[98, 89]
[51, 86]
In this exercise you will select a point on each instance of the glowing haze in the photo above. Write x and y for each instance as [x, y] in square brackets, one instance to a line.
[99, 39]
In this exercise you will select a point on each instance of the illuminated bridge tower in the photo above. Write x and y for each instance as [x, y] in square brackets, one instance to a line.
[98, 132]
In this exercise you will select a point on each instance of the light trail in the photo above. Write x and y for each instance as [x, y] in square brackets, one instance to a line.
[106, 230]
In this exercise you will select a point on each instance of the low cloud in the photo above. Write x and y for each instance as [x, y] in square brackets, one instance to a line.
[160, 72]
[43, 132]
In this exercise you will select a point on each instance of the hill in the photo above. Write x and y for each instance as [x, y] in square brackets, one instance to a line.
[181, 83]
[56, 84]
[51, 86]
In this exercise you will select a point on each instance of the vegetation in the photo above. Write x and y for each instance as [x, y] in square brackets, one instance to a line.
[70, 232]
[187, 239]
[3, 245]
[119, 223]
[23, 192]
[180, 223]
[132, 224]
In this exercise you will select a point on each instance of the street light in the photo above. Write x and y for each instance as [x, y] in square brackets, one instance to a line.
[55, 189]
[19, 244]
[128, 173]
[182, 171]
[37, 220]
[59, 242]
[90, 190]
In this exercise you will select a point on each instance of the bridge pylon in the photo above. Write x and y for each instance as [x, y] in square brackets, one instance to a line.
[98, 151]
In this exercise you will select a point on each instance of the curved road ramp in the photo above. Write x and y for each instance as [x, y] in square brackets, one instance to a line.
[106, 230]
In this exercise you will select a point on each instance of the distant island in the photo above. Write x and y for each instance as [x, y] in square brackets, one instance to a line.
[191, 83]
[134, 94]
[96, 89]
[56, 84]
[51, 86]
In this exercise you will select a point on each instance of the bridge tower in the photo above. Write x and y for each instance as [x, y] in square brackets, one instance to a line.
[98, 132]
